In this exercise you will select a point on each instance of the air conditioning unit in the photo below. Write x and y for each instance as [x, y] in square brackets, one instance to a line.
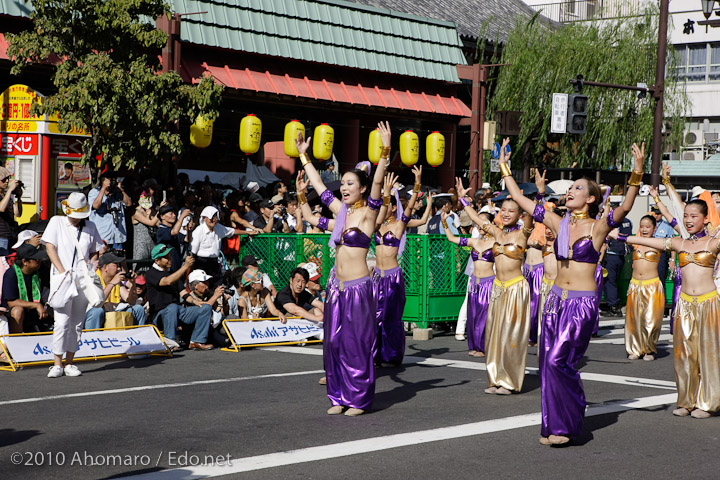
[711, 137]
[693, 155]
[693, 138]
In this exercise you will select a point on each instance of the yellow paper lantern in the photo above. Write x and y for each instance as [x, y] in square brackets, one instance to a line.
[201, 132]
[374, 146]
[291, 134]
[409, 148]
[323, 141]
[250, 131]
[435, 149]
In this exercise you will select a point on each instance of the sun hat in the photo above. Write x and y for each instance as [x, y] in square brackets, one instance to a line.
[76, 206]
[23, 237]
[160, 250]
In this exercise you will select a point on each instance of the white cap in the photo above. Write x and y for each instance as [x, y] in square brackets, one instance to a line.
[312, 270]
[23, 237]
[486, 185]
[76, 206]
[697, 190]
[198, 276]
[252, 187]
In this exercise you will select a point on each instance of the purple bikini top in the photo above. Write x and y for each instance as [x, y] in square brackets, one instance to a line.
[354, 237]
[582, 250]
[487, 256]
[387, 240]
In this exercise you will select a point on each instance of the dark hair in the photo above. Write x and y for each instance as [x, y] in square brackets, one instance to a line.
[69, 165]
[364, 180]
[701, 204]
[510, 200]
[302, 272]
[440, 202]
[236, 276]
[489, 216]
[651, 218]
[595, 191]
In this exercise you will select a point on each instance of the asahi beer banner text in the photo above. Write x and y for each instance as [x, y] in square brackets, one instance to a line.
[272, 331]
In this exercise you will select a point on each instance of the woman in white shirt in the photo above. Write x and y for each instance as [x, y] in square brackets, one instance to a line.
[206, 242]
[60, 237]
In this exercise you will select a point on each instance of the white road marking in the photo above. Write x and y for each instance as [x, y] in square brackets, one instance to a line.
[157, 387]
[470, 365]
[358, 447]
[664, 337]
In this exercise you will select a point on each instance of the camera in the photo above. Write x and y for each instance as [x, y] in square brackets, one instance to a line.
[18, 189]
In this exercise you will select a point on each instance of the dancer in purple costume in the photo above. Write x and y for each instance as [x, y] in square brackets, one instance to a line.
[481, 284]
[388, 278]
[350, 327]
[571, 306]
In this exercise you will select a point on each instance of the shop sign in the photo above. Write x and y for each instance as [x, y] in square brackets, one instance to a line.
[18, 144]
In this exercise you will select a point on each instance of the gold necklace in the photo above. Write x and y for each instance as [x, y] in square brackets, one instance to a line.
[355, 206]
[389, 220]
[574, 217]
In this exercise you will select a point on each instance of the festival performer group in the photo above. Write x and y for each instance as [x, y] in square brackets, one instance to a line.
[534, 276]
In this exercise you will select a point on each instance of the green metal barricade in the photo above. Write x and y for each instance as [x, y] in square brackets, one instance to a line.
[435, 281]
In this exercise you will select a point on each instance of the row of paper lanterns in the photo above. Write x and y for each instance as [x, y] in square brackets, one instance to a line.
[323, 140]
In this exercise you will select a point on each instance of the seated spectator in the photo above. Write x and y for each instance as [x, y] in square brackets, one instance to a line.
[293, 216]
[270, 220]
[120, 294]
[295, 300]
[21, 292]
[256, 301]
[199, 293]
[206, 242]
[141, 292]
[249, 261]
[313, 286]
[164, 296]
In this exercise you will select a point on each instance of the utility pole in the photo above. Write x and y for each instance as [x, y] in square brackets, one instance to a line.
[659, 94]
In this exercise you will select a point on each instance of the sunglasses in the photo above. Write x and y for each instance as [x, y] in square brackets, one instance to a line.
[5, 179]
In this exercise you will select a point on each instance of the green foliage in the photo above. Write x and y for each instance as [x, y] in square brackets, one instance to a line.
[621, 51]
[107, 75]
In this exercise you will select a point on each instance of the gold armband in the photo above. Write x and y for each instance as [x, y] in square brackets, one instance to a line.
[385, 153]
[445, 224]
[505, 170]
[528, 231]
[301, 198]
[416, 188]
[657, 200]
[304, 159]
[668, 244]
[666, 181]
[635, 179]
[386, 200]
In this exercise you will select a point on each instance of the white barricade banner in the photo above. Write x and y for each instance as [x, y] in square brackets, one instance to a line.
[272, 331]
[93, 343]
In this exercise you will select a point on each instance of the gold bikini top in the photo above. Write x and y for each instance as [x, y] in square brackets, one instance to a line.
[510, 250]
[534, 245]
[547, 249]
[704, 258]
[650, 255]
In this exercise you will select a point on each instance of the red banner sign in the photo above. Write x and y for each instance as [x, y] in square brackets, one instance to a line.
[18, 144]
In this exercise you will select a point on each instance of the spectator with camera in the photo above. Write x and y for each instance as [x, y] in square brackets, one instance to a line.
[108, 202]
[270, 219]
[10, 207]
[207, 241]
[168, 232]
[120, 292]
[21, 290]
[163, 288]
[199, 293]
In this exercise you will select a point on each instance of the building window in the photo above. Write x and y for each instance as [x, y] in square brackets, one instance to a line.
[698, 62]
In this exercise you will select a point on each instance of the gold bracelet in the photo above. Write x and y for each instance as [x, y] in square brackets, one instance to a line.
[528, 231]
[385, 153]
[505, 170]
[666, 181]
[386, 200]
[416, 188]
[635, 178]
[304, 159]
[657, 199]
[301, 198]
[445, 225]
[668, 244]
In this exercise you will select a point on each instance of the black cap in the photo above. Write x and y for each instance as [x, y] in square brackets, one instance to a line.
[254, 198]
[110, 258]
[28, 251]
[165, 209]
[249, 260]
[267, 204]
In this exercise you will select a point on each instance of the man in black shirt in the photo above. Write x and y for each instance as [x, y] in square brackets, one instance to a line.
[168, 231]
[292, 299]
[267, 222]
[164, 296]
[21, 288]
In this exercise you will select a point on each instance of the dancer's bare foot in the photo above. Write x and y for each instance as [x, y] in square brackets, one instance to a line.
[336, 410]
[558, 439]
[632, 356]
[472, 352]
[697, 413]
[354, 412]
[545, 441]
[323, 381]
[503, 391]
[681, 412]
[649, 357]
[491, 390]
[478, 354]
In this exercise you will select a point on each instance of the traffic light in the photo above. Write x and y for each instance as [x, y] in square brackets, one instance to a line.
[577, 113]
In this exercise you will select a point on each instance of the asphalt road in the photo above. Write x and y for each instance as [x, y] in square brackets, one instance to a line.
[260, 414]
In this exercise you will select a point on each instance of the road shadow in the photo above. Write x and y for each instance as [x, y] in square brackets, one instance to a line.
[598, 422]
[10, 436]
[149, 361]
[406, 390]
[414, 351]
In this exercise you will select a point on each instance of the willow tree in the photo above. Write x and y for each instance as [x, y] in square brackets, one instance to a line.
[109, 80]
[544, 60]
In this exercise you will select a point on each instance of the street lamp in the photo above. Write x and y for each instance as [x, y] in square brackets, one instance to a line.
[707, 8]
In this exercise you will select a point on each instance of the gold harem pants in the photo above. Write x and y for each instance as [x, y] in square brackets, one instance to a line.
[643, 319]
[507, 332]
[696, 351]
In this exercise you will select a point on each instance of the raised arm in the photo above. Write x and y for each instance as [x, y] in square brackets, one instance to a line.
[388, 183]
[417, 171]
[452, 238]
[384, 129]
[510, 184]
[484, 225]
[416, 222]
[656, 243]
[663, 209]
[301, 188]
[313, 175]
